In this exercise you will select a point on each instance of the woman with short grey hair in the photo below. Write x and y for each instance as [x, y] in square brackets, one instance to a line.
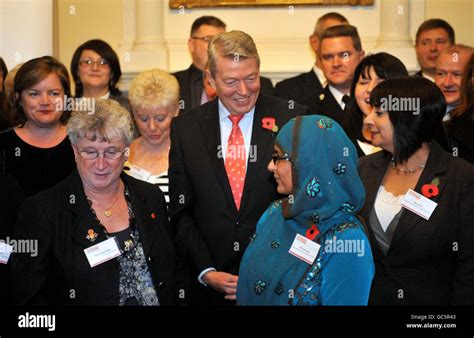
[101, 233]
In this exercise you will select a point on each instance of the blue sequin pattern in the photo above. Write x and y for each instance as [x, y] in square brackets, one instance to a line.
[325, 123]
[313, 187]
[340, 169]
[308, 292]
[347, 207]
[279, 289]
[259, 287]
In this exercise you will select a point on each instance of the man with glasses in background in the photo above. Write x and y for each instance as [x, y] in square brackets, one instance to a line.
[191, 81]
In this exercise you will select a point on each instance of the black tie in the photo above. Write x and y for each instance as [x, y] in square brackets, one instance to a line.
[346, 100]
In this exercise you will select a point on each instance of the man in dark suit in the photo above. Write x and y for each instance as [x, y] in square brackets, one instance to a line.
[432, 37]
[340, 52]
[219, 182]
[306, 85]
[191, 80]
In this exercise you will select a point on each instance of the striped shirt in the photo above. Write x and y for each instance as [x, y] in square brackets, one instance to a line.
[141, 174]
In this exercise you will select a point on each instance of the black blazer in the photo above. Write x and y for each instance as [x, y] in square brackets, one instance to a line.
[460, 135]
[428, 262]
[11, 196]
[299, 88]
[191, 86]
[59, 218]
[203, 213]
[324, 103]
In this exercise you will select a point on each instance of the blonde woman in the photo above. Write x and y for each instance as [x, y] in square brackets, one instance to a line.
[154, 96]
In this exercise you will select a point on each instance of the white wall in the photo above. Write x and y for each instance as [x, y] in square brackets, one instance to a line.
[26, 30]
[281, 34]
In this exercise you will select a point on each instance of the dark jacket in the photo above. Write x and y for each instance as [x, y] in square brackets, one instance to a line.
[59, 219]
[299, 88]
[203, 213]
[429, 262]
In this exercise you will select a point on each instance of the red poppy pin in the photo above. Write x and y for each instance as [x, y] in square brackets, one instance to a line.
[431, 190]
[270, 124]
[312, 232]
[153, 215]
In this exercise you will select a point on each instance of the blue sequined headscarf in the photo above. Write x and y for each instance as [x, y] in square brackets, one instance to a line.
[327, 191]
[326, 185]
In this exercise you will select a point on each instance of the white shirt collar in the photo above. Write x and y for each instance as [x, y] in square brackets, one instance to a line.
[224, 113]
[337, 95]
[106, 96]
[426, 76]
[320, 75]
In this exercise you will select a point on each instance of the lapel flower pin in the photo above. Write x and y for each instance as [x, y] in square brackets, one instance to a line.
[153, 215]
[91, 235]
[431, 190]
[321, 97]
[270, 124]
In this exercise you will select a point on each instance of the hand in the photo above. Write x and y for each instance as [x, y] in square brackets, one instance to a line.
[223, 282]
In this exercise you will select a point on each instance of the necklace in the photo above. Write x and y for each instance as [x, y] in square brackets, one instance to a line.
[405, 171]
[107, 211]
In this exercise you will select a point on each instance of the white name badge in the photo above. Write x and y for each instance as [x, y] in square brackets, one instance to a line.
[304, 249]
[5, 252]
[139, 173]
[418, 204]
[102, 252]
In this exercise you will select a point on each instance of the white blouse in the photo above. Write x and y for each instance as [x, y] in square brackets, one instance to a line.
[387, 206]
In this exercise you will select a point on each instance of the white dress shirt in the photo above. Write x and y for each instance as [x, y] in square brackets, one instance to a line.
[338, 96]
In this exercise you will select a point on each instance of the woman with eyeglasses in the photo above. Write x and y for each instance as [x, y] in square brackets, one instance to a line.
[103, 237]
[309, 248]
[96, 71]
[37, 151]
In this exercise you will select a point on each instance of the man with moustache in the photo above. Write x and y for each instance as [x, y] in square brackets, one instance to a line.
[219, 153]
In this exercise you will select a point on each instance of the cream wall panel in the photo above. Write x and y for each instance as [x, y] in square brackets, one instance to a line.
[459, 13]
[82, 20]
[26, 30]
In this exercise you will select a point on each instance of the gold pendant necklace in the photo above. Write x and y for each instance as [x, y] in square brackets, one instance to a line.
[107, 211]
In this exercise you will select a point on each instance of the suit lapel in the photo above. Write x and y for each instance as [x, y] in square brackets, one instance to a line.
[145, 215]
[259, 146]
[330, 107]
[86, 230]
[211, 133]
[436, 166]
[373, 181]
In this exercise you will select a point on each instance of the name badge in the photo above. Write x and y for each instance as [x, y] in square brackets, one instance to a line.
[102, 252]
[139, 173]
[304, 249]
[5, 252]
[418, 204]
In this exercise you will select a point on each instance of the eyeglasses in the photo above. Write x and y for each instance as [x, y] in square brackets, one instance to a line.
[90, 62]
[110, 154]
[285, 157]
[203, 38]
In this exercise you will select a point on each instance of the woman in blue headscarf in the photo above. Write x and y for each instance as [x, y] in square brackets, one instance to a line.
[310, 248]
